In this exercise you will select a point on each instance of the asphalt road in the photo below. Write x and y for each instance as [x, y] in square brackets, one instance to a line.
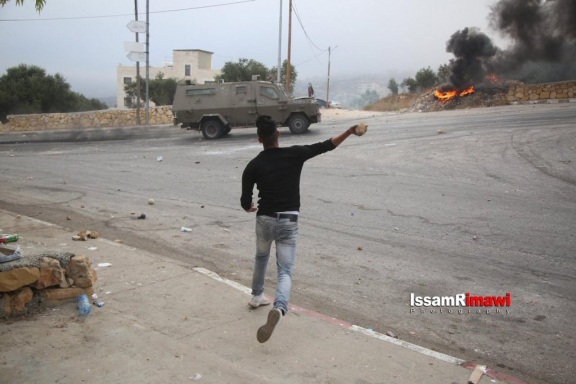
[435, 204]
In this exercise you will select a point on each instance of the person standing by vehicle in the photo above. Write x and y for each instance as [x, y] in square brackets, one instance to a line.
[310, 90]
[276, 173]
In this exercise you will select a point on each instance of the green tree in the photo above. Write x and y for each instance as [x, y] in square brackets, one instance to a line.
[39, 3]
[444, 72]
[426, 78]
[82, 103]
[28, 89]
[161, 91]
[273, 72]
[243, 70]
[368, 97]
[393, 86]
[410, 84]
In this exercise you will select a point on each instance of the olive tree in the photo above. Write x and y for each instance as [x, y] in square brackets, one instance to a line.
[393, 86]
[160, 90]
[243, 70]
[426, 78]
[28, 89]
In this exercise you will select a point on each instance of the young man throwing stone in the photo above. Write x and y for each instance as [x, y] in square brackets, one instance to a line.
[276, 173]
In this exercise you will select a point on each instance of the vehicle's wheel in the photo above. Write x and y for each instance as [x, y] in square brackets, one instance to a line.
[298, 124]
[212, 129]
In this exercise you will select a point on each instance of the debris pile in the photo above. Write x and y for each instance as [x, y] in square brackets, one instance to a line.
[31, 282]
[483, 96]
[498, 93]
[85, 235]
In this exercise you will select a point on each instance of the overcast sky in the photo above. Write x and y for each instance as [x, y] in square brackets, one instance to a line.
[84, 40]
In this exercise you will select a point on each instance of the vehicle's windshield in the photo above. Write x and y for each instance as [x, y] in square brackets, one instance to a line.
[283, 91]
[269, 92]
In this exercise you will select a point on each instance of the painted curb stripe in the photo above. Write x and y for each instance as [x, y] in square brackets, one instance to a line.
[342, 324]
[368, 332]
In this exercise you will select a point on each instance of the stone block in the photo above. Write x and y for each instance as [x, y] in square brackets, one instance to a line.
[6, 305]
[65, 293]
[20, 299]
[80, 270]
[17, 278]
[51, 274]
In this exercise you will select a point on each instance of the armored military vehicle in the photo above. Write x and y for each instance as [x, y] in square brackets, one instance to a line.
[216, 108]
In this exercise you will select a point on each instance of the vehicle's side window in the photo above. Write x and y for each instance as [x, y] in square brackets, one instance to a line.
[197, 92]
[241, 90]
[269, 92]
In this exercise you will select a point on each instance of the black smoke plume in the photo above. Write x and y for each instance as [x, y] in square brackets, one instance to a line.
[471, 48]
[543, 44]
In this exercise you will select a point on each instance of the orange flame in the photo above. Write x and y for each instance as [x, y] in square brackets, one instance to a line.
[467, 91]
[449, 95]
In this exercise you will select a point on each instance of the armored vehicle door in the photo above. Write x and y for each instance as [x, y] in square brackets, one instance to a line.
[272, 102]
[242, 110]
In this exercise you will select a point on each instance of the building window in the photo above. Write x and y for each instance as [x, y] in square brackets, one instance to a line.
[128, 102]
[127, 80]
[187, 70]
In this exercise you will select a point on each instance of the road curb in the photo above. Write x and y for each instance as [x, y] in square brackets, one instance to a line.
[370, 333]
[343, 324]
[83, 134]
[547, 101]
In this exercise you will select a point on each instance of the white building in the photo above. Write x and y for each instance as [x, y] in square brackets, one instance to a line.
[188, 64]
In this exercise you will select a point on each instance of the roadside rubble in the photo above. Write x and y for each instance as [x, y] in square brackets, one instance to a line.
[30, 282]
[85, 235]
[486, 96]
[8, 254]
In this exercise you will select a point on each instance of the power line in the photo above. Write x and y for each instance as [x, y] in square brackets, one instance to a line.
[303, 29]
[310, 42]
[312, 58]
[131, 14]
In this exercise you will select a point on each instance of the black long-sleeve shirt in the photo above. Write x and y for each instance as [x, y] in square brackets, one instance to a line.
[276, 173]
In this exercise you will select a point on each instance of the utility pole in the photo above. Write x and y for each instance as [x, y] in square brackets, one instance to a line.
[147, 62]
[288, 81]
[328, 81]
[138, 95]
[279, 71]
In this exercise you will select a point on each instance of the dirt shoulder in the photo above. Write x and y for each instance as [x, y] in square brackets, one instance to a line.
[335, 114]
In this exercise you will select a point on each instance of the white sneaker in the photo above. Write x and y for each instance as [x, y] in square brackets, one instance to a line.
[258, 301]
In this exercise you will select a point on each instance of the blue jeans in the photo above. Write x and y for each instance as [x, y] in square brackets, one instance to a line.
[285, 233]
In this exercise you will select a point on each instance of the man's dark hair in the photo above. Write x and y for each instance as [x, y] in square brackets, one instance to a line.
[266, 129]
